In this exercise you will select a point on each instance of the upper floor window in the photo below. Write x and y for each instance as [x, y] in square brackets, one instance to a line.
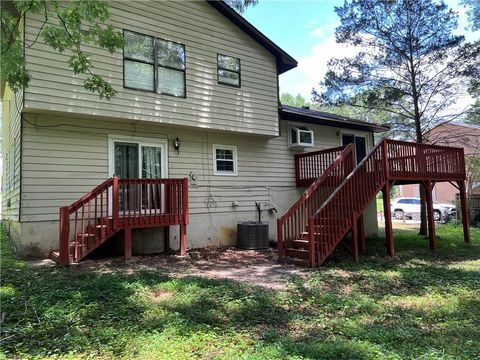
[228, 70]
[152, 64]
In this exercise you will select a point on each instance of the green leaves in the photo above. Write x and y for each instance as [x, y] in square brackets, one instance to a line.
[67, 28]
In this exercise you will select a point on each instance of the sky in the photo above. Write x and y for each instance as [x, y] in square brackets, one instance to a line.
[305, 30]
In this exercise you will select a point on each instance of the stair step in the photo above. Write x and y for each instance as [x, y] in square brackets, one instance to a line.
[299, 244]
[72, 243]
[87, 235]
[297, 253]
[55, 256]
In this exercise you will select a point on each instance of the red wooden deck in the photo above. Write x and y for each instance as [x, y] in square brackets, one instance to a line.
[120, 205]
[339, 193]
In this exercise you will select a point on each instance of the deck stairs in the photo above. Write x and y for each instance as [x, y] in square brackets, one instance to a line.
[334, 203]
[118, 206]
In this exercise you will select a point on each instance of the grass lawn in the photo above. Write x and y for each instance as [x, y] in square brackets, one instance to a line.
[420, 305]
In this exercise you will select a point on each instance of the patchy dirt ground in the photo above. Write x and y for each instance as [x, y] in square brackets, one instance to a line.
[249, 266]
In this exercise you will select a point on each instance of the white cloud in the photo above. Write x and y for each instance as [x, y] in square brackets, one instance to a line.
[312, 68]
[318, 32]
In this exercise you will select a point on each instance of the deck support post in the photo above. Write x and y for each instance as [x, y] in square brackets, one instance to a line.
[361, 230]
[464, 206]
[183, 239]
[127, 243]
[355, 237]
[428, 186]
[280, 244]
[166, 239]
[388, 218]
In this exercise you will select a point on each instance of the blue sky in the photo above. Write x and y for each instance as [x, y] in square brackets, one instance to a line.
[305, 30]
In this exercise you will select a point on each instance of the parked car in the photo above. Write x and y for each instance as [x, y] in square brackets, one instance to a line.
[406, 207]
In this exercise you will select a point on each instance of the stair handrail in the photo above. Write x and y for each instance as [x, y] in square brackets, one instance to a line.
[86, 199]
[339, 227]
[356, 169]
[87, 196]
[347, 154]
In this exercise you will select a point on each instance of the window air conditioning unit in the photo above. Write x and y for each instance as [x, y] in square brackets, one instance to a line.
[301, 137]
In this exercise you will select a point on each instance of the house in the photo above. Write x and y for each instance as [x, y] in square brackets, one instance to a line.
[453, 134]
[193, 140]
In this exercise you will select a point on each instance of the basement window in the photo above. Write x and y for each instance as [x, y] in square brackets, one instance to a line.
[225, 160]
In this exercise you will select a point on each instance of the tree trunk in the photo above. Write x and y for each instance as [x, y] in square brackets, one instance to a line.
[423, 207]
[423, 212]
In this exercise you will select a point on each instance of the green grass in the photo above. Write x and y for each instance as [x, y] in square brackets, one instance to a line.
[420, 305]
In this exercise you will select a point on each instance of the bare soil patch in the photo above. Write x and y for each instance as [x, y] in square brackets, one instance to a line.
[248, 266]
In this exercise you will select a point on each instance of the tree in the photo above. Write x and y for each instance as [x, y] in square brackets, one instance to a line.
[298, 101]
[241, 5]
[66, 27]
[473, 9]
[410, 64]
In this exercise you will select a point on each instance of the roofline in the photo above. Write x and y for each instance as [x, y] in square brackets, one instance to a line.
[343, 122]
[284, 61]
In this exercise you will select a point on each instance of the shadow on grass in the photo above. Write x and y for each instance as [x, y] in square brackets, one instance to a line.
[408, 307]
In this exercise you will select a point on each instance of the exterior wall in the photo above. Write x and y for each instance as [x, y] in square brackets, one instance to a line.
[204, 32]
[11, 153]
[66, 157]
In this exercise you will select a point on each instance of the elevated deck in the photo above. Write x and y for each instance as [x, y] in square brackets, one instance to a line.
[339, 192]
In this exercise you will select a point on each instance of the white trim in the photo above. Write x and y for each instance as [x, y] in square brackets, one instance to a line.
[141, 141]
[298, 130]
[235, 162]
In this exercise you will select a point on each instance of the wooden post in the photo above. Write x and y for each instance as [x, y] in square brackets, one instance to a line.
[361, 230]
[280, 245]
[430, 215]
[64, 245]
[464, 206]
[183, 239]
[311, 243]
[355, 237]
[115, 202]
[127, 243]
[388, 218]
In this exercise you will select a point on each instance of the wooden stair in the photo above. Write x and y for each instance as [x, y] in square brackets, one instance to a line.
[334, 203]
[100, 214]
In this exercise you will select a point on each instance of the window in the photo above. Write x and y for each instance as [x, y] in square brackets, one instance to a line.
[171, 68]
[228, 70]
[300, 136]
[225, 160]
[152, 64]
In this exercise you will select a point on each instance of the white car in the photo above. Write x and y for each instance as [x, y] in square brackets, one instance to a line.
[405, 206]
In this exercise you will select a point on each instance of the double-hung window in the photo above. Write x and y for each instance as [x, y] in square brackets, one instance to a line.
[225, 160]
[228, 70]
[152, 64]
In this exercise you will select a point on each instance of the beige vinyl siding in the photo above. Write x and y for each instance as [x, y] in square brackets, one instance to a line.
[67, 157]
[204, 32]
[11, 153]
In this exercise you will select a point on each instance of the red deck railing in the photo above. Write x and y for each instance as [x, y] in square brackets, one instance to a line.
[389, 160]
[310, 166]
[118, 204]
[412, 161]
[294, 222]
